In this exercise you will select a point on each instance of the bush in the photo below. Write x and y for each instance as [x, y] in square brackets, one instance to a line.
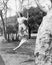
[9, 29]
[12, 29]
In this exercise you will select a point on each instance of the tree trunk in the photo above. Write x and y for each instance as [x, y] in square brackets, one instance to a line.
[16, 35]
[3, 24]
[29, 32]
[8, 37]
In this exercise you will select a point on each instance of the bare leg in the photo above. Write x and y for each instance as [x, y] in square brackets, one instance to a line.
[22, 42]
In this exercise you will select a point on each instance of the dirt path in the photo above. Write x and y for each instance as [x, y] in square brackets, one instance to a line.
[1, 61]
[22, 56]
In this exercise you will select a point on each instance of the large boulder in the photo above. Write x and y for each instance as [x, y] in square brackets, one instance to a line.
[43, 47]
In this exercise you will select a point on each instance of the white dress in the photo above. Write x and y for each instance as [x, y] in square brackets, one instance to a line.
[22, 29]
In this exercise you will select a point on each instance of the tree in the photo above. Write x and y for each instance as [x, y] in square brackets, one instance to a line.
[20, 6]
[2, 22]
[35, 18]
[5, 14]
[3, 8]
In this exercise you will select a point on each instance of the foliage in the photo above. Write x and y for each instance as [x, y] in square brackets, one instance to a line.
[11, 29]
[35, 17]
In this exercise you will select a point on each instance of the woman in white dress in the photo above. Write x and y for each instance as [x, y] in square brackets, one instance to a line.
[22, 30]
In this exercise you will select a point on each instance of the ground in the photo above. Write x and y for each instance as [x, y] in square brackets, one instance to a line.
[22, 56]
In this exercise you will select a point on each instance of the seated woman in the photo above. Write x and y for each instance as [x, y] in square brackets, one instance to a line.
[22, 30]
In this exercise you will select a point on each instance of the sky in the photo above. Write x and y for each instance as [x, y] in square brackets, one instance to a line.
[11, 4]
[15, 6]
[12, 7]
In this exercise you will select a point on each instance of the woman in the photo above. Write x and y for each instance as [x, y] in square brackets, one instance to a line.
[22, 31]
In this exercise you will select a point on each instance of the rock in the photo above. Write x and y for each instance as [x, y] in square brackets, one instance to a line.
[44, 41]
[1, 61]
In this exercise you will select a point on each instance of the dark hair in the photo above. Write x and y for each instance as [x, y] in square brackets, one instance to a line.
[21, 14]
[25, 22]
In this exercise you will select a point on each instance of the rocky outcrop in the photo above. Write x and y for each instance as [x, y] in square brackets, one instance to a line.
[43, 48]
